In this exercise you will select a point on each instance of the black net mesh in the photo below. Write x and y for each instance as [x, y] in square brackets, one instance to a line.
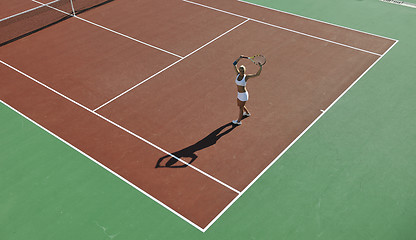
[43, 16]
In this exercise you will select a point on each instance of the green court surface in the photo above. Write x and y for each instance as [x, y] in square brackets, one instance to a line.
[351, 176]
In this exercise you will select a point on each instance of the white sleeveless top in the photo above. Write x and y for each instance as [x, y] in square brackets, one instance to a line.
[242, 82]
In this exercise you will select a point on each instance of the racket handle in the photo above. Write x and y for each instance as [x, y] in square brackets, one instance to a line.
[235, 63]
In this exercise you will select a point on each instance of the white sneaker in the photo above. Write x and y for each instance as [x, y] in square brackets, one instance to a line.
[246, 114]
[236, 123]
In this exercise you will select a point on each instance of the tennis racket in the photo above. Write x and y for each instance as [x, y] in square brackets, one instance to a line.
[258, 59]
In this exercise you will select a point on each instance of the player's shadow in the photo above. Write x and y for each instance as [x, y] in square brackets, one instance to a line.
[170, 161]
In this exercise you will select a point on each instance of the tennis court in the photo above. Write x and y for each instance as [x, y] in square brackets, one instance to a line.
[124, 110]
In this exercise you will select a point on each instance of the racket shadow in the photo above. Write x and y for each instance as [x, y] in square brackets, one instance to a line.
[189, 153]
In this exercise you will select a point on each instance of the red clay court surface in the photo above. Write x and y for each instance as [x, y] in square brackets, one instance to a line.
[129, 103]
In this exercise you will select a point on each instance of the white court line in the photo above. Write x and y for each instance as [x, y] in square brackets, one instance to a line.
[110, 30]
[120, 127]
[103, 166]
[400, 3]
[298, 137]
[283, 28]
[29, 10]
[316, 20]
[128, 90]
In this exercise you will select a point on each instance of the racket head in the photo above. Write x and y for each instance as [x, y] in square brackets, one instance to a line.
[259, 59]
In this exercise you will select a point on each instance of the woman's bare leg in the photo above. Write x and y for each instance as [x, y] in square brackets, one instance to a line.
[240, 116]
[246, 110]
[242, 107]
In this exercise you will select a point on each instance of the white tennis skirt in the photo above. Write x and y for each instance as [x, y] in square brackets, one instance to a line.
[242, 96]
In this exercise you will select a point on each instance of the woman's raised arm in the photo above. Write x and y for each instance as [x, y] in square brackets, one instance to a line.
[257, 74]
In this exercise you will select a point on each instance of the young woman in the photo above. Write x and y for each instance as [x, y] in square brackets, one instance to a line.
[242, 94]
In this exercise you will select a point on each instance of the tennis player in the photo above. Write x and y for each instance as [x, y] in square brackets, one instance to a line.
[242, 94]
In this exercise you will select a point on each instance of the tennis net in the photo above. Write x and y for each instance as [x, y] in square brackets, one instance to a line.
[45, 15]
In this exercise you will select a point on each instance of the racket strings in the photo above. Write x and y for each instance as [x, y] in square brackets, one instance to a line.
[259, 59]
